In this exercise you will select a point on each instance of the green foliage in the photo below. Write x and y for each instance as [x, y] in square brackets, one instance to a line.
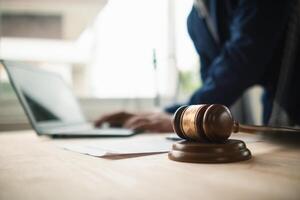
[6, 90]
[189, 81]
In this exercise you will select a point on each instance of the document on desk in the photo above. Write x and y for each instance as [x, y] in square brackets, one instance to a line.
[115, 147]
[140, 144]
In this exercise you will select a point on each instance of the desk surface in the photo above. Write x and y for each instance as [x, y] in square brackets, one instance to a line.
[34, 167]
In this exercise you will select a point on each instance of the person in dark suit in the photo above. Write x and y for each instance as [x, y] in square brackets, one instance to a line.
[240, 44]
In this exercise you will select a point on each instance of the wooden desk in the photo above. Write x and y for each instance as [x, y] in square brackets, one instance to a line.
[34, 167]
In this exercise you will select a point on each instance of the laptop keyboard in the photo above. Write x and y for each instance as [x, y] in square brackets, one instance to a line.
[107, 131]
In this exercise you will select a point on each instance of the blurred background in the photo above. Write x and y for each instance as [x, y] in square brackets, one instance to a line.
[114, 54]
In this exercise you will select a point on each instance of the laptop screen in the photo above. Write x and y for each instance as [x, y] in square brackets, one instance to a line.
[45, 95]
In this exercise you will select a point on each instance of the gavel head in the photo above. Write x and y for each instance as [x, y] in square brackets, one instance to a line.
[205, 123]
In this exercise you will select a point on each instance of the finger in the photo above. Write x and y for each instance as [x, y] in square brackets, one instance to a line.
[146, 126]
[101, 120]
[157, 125]
[105, 118]
[135, 121]
[113, 118]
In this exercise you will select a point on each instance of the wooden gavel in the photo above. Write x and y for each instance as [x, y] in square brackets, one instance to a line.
[213, 123]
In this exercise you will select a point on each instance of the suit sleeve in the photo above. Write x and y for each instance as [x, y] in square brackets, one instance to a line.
[255, 30]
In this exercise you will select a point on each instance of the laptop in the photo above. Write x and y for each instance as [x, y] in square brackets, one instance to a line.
[50, 105]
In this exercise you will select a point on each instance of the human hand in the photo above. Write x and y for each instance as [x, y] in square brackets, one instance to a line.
[148, 122]
[114, 119]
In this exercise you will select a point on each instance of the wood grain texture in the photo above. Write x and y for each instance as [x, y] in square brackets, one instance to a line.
[34, 167]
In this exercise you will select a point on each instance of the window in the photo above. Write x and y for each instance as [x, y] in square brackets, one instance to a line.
[128, 34]
[103, 49]
[113, 54]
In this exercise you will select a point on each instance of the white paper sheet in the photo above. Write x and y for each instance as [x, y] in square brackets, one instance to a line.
[139, 145]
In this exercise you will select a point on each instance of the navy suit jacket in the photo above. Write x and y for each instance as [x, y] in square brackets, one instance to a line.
[248, 50]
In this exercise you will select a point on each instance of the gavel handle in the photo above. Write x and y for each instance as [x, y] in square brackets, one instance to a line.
[253, 129]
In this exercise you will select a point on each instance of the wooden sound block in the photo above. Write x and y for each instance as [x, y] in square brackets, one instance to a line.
[197, 152]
